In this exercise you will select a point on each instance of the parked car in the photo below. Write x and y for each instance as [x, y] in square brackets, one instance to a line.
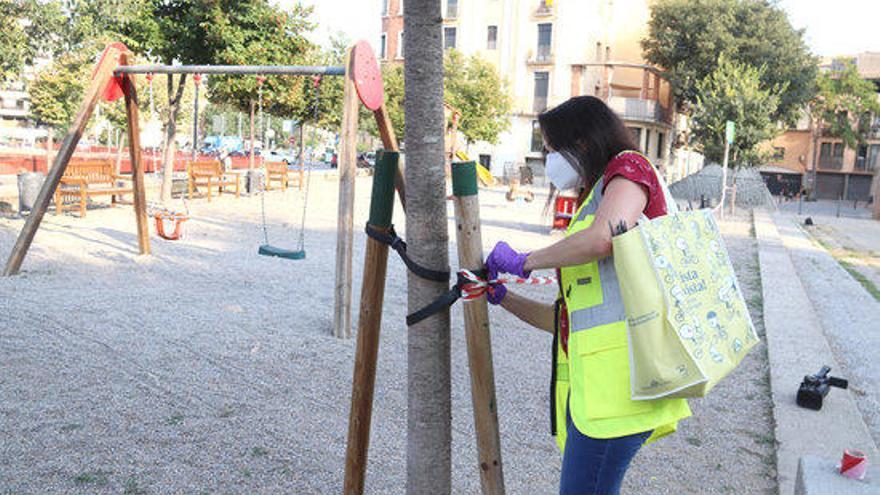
[286, 157]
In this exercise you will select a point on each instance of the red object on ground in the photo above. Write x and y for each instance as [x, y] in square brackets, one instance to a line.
[160, 227]
[367, 76]
[563, 211]
[113, 91]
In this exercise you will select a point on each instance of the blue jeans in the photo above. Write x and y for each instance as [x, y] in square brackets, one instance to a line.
[595, 466]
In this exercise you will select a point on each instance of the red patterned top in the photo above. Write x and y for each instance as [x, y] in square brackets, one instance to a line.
[635, 167]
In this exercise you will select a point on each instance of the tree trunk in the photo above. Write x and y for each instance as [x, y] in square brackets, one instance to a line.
[428, 452]
[170, 132]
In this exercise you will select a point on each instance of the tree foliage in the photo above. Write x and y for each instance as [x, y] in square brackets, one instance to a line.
[27, 30]
[734, 91]
[688, 37]
[471, 85]
[846, 105]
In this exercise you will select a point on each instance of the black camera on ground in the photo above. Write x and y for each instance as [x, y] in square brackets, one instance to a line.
[815, 387]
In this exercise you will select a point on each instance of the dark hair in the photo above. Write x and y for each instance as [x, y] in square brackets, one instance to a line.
[588, 134]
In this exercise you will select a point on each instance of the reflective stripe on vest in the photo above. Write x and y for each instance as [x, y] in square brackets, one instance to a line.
[610, 308]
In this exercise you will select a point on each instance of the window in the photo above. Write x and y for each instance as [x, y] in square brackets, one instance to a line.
[448, 38]
[545, 35]
[382, 41]
[492, 38]
[778, 153]
[873, 157]
[636, 133]
[598, 51]
[451, 9]
[400, 45]
[542, 80]
[660, 137]
[831, 155]
[607, 53]
[537, 138]
[861, 157]
[384, 7]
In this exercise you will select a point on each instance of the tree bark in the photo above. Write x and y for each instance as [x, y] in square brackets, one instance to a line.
[429, 436]
[170, 133]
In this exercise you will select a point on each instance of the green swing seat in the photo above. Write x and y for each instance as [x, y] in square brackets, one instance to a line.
[269, 250]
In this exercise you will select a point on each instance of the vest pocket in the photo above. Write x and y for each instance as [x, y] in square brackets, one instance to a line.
[603, 375]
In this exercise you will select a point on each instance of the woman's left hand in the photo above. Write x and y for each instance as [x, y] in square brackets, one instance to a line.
[505, 259]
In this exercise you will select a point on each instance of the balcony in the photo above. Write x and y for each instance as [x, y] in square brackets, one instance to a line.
[543, 56]
[639, 109]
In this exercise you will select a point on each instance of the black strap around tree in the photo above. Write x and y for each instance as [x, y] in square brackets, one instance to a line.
[392, 240]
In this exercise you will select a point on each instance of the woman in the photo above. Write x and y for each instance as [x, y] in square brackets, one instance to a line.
[590, 151]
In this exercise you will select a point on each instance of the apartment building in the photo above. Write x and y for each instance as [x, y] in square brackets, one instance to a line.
[840, 172]
[549, 51]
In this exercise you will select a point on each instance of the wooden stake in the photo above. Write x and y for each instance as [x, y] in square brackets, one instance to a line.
[344, 229]
[476, 322]
[102, 75]
[389, 142]
[134, 150]
[369, 324]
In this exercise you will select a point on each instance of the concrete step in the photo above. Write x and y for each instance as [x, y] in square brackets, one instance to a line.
[797, 346]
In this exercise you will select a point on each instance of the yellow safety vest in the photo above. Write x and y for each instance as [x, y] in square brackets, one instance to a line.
[593, 378]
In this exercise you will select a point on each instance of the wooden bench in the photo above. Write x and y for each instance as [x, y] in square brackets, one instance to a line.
[209, 173]
[281, 173]
[89, 178]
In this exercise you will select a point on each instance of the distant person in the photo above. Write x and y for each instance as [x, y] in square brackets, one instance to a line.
[598, 427]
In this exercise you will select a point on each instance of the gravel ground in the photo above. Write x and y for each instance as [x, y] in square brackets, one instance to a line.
[209, 369]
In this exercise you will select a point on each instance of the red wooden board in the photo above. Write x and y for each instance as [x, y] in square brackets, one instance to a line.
[367, 76]
[113, 91]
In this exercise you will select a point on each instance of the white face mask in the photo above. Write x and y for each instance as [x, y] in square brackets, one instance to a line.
[560, 172]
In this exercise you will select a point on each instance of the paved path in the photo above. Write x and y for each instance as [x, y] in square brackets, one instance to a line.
[797, 346]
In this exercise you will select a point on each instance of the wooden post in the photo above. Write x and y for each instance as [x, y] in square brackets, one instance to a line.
[134, 150]
[102, 75]
[344, 228]
[369, 324]
[389, 142]
[476, 327]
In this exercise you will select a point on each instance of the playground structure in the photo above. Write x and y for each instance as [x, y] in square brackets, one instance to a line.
[112, 79]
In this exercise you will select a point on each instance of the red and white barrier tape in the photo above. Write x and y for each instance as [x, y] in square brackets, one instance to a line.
[476, 286]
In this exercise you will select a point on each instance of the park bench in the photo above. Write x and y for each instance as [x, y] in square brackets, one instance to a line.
[210, 173]
[88, 178]
[281, 173]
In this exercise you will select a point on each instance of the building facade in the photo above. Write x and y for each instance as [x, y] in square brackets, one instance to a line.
[805, 151]
[546, 61]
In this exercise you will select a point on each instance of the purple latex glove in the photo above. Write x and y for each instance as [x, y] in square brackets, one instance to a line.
[495, 293]
[504, 259]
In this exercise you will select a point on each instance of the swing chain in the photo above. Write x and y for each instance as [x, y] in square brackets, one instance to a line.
[263, 192]
[316, 81]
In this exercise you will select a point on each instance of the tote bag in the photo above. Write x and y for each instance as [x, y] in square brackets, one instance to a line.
[687, 322]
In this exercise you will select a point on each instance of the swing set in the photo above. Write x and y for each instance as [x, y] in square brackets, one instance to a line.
[112, 79]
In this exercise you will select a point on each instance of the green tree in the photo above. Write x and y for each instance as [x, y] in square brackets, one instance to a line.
[734, 92]
[846, 105]
[249, 32]
[28, 27]
[473, 87]
[688, 37]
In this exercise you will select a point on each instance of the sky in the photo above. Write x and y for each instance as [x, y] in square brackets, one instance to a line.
[836, 27]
